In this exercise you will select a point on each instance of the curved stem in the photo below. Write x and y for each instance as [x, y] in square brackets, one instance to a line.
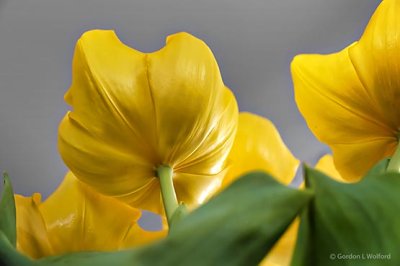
[164, 173]
[394, 164]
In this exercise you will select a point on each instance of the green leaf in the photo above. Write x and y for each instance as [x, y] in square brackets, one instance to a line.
[237, 227]
[351, 224]
[8, 232]
[7, 211]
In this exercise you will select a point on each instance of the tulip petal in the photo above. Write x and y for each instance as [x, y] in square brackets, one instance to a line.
[80, 219]
[340, 111]
[193, 107]
[133, 112]
[99, 133]
[376, 59]
[354, 160]
[258, 146]
[32, 238]
[196, 189]
[326, 165]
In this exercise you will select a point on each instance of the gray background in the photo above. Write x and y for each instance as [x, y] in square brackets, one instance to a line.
[253, 41]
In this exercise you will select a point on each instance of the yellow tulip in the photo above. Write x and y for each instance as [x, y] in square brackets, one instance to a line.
[133, 112]
[258, 146]
[77, 218]
[350, 99]
[281, 253]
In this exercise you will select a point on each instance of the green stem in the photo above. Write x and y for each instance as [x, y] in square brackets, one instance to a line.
[170, 201]
[394, 164]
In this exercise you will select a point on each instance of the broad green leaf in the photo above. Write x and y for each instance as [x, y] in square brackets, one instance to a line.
[351, 224]
[237, 227]
[7, 212]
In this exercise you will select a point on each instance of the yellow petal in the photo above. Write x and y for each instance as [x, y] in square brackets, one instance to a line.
[354, 160]
[32, 239]
[282, 252]
[81, 219]
[376, 59]
[134, 111]
[325, 164]
[258, 146]
[340, 112]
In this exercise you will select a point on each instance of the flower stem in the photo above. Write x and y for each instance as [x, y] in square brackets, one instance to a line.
[170, 201]
[394, 164]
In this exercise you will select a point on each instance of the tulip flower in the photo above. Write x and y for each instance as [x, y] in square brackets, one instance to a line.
[77, 218]
[350, 99]
[145, 122]
[258, 146]
[281, 254]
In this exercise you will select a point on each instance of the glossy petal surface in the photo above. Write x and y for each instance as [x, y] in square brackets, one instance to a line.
[134, 111]
[258, 146]
[32, 237]
[77, 218]
[88, 220]
[376, 59]
[350, 98]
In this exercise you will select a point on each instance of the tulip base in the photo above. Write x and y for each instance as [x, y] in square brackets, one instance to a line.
[165, 174]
